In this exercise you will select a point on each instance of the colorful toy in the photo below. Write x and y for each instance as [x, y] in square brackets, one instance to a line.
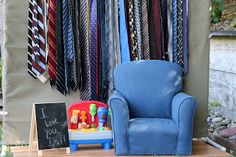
[102, 116]
[93, 109]
[74, 117]
[83, 119]
[86, 129]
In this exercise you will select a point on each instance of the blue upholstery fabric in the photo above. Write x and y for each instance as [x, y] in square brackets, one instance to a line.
[150, 85]
[161, 134]
[150, 115]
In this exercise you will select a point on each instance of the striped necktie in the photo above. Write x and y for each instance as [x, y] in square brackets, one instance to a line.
[30, 53]
[137, 24]
[145, 30]
[38, 40]
[93, 47]
[85, 93]
[60, 79]
[69, 47]
[52, 42]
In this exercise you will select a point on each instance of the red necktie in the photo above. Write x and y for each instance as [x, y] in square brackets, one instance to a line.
[156, 27]
[38, 40]
[51, 42]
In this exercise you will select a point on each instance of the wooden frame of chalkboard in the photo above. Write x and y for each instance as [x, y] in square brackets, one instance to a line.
[49, 127]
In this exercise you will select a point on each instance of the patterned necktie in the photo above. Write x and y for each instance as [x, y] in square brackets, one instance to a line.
[170, 39]
[145, 31]
[137, 24]
[123, 34]
[38, 40]
[85, 93]
[93, 47]
[180, 33]
[30, 18]
[174, 31]
[185, 35]
[132, 31]
[52, 42]
[69, 48]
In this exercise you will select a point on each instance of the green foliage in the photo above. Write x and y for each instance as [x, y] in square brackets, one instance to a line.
[213, 105]
[0, 75]
[216, 9]
[233, 23]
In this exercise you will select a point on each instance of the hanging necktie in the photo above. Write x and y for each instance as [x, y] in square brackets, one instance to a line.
[103, 52]
[109, 24]
[85, 93]
[145, 30]
[185, 35]
[30, 20]
[52, 42]
[69, 47]
[60, 68]
[123, 35]
[137, 24]
[38, 41]
[156, 25]
[115, 27]
[93, 47]
[164, 32]
[75, 19]
[180, 33]
[169, 21]
[175, 31]
[134, 54]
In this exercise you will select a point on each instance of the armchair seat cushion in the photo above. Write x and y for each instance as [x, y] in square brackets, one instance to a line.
[152, 136]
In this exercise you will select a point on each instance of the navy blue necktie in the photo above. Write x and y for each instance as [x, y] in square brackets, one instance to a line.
[69, 48]
[93, 47]
[60, 79]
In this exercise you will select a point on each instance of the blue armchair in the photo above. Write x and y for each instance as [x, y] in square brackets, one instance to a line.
[150, 114]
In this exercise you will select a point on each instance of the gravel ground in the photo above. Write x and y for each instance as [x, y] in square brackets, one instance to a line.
[222, 26]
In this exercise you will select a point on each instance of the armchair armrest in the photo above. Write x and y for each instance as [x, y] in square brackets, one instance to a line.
[119, 119]
[183, 109]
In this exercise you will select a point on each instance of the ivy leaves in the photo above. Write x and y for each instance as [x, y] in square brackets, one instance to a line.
[216, 9]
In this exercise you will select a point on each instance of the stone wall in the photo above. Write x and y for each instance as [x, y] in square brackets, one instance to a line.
[222, 76]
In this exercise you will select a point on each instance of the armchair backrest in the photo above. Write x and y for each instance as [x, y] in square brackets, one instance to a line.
[148, 87]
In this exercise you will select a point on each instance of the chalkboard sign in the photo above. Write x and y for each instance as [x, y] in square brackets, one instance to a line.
[51, 124]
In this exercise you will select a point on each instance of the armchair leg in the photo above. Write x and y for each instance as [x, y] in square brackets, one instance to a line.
[106, 145]
[73, 147]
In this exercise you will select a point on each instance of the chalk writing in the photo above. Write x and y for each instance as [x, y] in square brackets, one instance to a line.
[52, 131]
